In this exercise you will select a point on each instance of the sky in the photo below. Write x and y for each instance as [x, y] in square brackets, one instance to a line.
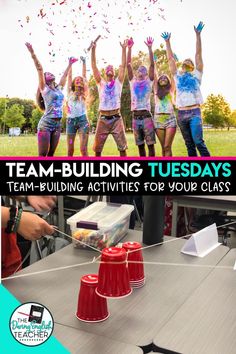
[58, 29]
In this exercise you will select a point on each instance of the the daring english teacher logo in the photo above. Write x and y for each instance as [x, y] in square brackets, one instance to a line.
[31, 324]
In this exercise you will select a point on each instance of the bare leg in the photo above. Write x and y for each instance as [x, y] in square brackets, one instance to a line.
[70, 144]
[169, 137]
[43, 142]
[142, 151]
[151, 150]
[83, 138]
[161, 137]
[55, 137]
[123, 153]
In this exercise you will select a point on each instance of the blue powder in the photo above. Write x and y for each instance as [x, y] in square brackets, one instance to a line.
[109, 89]
[188, 83]
[141, 88]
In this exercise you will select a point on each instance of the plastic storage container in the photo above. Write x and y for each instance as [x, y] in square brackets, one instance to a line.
[100, 224]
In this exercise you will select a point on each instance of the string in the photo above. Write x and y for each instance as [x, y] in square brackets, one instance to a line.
[160, 243]
[143, 248]
[23, 261]
[177, 238]
[170, 264]
[44, 217]
[95, 261]
[52, 269]
[63, 233]
[149, 246]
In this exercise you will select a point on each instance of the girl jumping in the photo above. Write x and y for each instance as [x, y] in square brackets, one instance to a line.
[77, 120]
[50, 100]
[164, 117]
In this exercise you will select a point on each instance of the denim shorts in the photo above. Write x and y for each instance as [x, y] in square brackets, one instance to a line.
[77, 124]
[164, 121]
[49, 124]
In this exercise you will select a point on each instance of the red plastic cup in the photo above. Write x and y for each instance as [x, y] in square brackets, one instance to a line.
[91, 307]
[113, 276]
[136, 270]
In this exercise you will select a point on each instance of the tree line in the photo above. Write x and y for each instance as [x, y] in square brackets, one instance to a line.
[23, 113]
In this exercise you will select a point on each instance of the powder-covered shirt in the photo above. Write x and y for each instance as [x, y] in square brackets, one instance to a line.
[109, 95]
[76, 106]
[140, 94]
[188, 88]
[164, 105]
[53, 100]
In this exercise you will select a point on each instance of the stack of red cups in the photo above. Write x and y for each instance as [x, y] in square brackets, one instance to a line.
[135, 263]
[113, 276]
[120, 268]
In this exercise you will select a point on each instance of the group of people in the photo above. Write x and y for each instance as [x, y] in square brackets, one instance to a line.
[180, 93]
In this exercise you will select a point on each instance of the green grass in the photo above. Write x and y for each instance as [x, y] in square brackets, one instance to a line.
[219, 143]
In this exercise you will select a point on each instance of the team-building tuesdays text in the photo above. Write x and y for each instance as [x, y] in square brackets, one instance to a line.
[157, 176]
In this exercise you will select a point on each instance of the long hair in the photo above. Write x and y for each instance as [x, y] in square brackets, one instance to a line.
[162, 91]
[83, 91]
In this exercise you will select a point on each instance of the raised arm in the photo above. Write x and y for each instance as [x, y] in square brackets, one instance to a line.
[149, 43]
[66, 72]
[96, 72]
[198, 55]
[156, 67]
[121, 74]
[38, 66]
[84, 75]
[69, 81]
[130, 44]
[172, 87]
[170, 55]
[84, 71]
[156, 74]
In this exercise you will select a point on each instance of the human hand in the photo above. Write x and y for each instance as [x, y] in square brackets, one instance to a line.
[199, 27]
[72, 60]
[166, 36]
[130, 42]
[42, 203]
[32, 227]
[93, 45]
[83, 59]
[124, 44]
[149, 42]
[29, 47]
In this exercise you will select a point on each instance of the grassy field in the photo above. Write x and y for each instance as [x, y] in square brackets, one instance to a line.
[219, 143]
